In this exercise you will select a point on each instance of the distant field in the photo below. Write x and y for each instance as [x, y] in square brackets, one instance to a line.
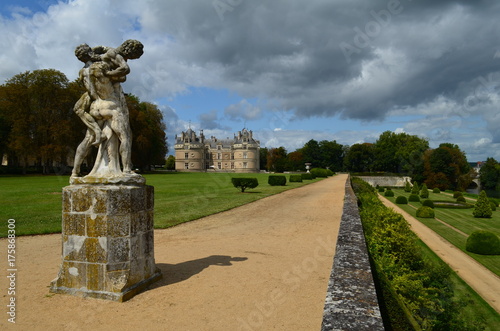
[35, 201]
[460, 219]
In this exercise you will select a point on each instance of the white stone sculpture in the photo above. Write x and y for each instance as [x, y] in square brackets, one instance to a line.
[104, 111]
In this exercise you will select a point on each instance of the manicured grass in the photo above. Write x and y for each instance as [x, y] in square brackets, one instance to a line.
[460, 219]
[475, 308]
[35, 201]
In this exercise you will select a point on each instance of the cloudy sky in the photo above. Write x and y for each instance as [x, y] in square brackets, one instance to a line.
[290, 70]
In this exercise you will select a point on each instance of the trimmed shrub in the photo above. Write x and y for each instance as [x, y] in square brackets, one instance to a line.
[243, 183]
[457, 194]
[319, 172]
[277, 180]
[329, 172]
[461, 199]
[493, 206]
[414, 198]
[407, 187]
[424, 192]
[401, 200]
[307, 176]
[381, 189]
[436, 190]
[495, 201]
[415, 189]
[295, 178]
[428, 203]
[389, 193]
[483, 242]
[425, 212]
[482, 209]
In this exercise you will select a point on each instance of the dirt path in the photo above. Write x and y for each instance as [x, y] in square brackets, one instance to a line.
[262, 266]
[483, 281]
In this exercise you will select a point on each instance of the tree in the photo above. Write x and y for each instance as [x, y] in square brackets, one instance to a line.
[243, 183]
[332, 155]
[149, 145]
[360, 157]
[311, 152]
[446, 167]
[38, 108]
[295, 161]
[399, 152]
[482, 209]
[489, 174]
[170, 163]
[263, 158]
[276, 159]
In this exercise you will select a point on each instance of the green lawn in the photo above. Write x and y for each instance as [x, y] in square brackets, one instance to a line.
[460, 219]
[35, 201]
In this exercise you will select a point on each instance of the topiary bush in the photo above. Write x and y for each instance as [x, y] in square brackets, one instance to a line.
[295, 178]
[307, 176]
[401, 200]
[424, 192]
[414, 198]
[461, 199]
[493, 206]
[381, 189]
[483, 242]
[276, 180]
[329, 172]
[428, 203]
[482, 209]
[243, 183]
[389, 193]
[407, 187]
[436, 190]
[457, 194]
[415, 189]
[495, 201]
[319, 172]
[425, 212]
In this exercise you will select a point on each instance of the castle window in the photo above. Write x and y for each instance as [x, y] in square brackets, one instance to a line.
[186, 165]
[186, 155]
[232, 165]
[245, 165]
[219, 156]
[219, 147]
[219, 165]
[245, 156]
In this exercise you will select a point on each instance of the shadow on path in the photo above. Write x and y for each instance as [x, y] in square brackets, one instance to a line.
[175, 273]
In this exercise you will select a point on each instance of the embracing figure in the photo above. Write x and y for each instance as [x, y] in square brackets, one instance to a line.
[103, 109]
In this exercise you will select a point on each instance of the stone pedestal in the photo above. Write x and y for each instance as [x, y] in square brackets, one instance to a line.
[107, 235]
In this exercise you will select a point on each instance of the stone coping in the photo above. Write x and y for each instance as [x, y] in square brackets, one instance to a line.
[351, 301]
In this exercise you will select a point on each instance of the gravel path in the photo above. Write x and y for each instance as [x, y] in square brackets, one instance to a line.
[483, 281]
[261, 266]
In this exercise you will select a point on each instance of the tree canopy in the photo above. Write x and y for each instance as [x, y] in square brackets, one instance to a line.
[39, 127]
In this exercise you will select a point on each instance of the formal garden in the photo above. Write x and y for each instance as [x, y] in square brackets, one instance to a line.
[451, 215]
[417, 289]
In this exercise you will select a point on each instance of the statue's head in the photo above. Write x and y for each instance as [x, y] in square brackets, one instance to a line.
[131, 49]
[83, 52]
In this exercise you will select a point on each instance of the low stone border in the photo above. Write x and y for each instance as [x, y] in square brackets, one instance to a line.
[351, 301]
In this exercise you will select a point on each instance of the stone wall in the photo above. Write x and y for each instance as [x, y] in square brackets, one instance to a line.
[351, 301]
[386, 181]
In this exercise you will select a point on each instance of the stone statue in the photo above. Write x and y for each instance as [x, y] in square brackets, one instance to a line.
[103, 109]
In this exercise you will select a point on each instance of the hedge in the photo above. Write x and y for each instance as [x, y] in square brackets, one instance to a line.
[414, 198]
[295, 178]
[389, 193]
[319, 172]
[428, 203]
[483, 242]
[401, 200]
[243, 183]
[307, 176]
[436, 190]
[276, 180]
[425, 212]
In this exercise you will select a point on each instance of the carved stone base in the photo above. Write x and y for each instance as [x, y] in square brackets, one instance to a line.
[108, 245]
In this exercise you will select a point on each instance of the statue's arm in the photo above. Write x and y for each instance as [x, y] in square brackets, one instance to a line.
[121, 67]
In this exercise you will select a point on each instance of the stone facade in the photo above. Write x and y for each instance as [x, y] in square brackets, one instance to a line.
[108, 247]
[196, 153]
